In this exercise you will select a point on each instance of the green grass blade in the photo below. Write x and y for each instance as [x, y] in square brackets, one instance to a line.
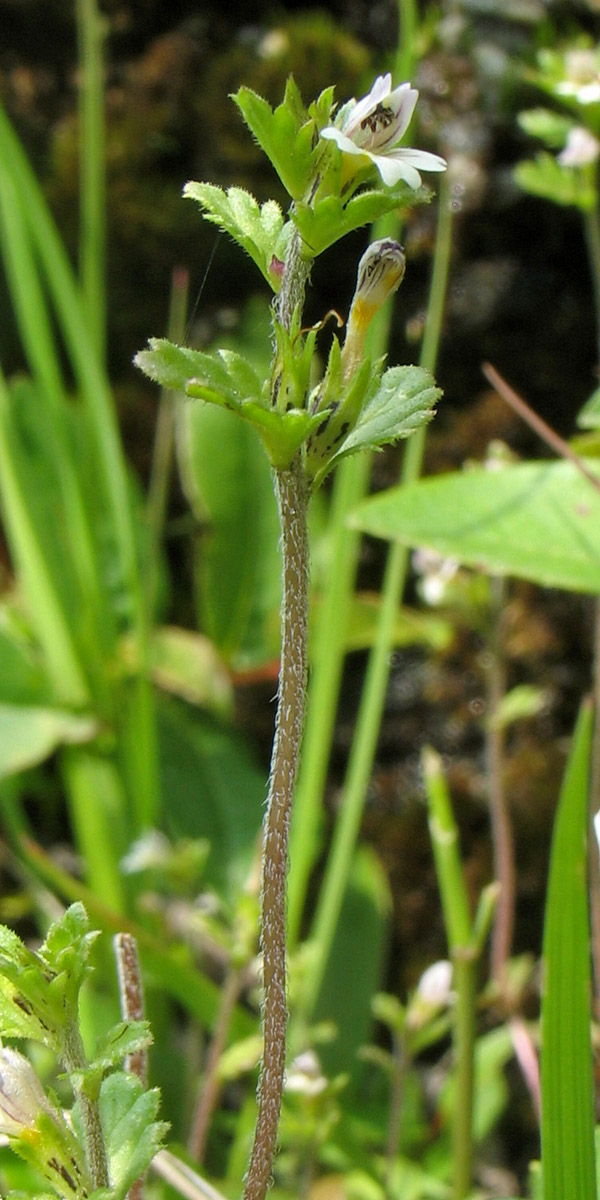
[105, 451]
[92, 236]
[26, 541]
[568, 1160]
[72, 320]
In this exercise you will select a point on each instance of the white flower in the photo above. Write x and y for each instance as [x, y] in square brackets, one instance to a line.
[581, 148]
[582, 77]
[372, 127]
[21, 1094]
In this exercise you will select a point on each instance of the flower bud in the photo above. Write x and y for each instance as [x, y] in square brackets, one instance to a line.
[380, 272]
[22, 1097]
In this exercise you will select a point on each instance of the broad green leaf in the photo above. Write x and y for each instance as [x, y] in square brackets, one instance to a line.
[259, 229]
[360, 937]
[29, 734]
[412, 627]
[227, 480]
[402, 403]
[545, 177]
[132, 1132]
[538, 521]
[186, 664]
[204, 760]
[568, 1158]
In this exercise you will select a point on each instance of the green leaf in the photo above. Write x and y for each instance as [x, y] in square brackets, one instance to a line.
[222, 378]
[39, 992]
[545, 177]
[132, 1133]
[360, 937]
[200, 758]
[227, 379]
[550, 127]
[227, 480]
[412, 627]
[288, 134]
[538, 521]
[183, 662]
[402, 402]
[127, 1037]
[28, 734]
[260, 230]
[22, 680]
[568, 1158]
[588, 417]
[328, 220]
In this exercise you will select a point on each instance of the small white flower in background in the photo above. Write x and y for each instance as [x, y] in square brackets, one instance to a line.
[581, 148]
[582, 76]
[436, 573]
[305, 1075]
[434, 984]
[372, 127]
[432, 994]
[22, 1097]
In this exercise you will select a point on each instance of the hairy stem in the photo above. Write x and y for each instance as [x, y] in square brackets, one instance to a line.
[292, 495]
[95, 1148]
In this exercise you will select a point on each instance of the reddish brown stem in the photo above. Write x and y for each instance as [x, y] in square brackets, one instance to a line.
[292, 496]
[131, 992]
[211, 1086]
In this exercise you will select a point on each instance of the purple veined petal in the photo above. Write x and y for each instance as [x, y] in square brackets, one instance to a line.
[403, 100]
[380, 90]
[423, 159]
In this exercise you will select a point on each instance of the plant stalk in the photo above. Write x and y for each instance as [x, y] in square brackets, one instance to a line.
[292, 496]
[95, 1149]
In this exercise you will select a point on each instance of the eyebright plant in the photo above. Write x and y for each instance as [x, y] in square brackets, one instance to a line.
[111, 1134]
[342, 169]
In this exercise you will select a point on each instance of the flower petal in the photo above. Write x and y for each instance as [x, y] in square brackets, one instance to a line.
[403, 100]
[393, 168]
[344, 143]
[420, 158]
[380, 90]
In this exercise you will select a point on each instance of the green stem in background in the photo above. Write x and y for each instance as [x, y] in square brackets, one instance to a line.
[373, 694]
[502, 834]
[406, 52]
[464, 951]
[162, 454]
[92, 237]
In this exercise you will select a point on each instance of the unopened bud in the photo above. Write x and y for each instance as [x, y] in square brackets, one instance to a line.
[22, 1097]
[380, 272]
